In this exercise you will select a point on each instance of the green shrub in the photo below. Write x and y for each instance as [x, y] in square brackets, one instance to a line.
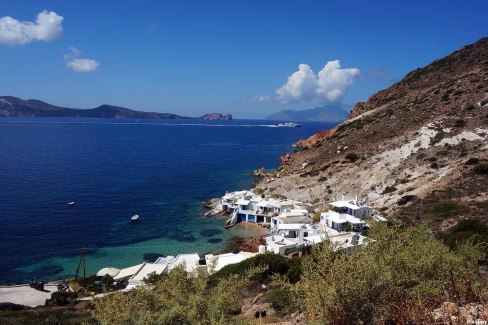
[352, 157]
[155, 278]
[282, 300]
[177, 299]
[405, 199]
[61, 298]
[406, 266]
[468, 229]
[233, 244]
[389, 189]
[446, 208]
[481, 169]
[275, 264]
[459, 123]
[316, 217]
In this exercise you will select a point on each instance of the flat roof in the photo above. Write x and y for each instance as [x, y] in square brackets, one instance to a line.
[128, 271]
[223, 260]
[345, 204]
[342, 217]
[242, 202]
[190, 260]
[147, 269]
[280, 241]
[294, 219]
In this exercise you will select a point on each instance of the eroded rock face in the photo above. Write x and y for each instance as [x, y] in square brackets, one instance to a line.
[412, 139]
[316, 138]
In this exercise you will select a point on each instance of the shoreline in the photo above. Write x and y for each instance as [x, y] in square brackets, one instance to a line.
[252, 228]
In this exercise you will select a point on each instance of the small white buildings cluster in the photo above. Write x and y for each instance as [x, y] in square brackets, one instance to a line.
[342, 225]
[247, 206]
[290, 231]
[137, 274]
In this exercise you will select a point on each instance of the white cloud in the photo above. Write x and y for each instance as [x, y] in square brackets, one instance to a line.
[47, 27]
[73, 53]
[329, 85]
[259, 99]
[83, 65]
[79, 65]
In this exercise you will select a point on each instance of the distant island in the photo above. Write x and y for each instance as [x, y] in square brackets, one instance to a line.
[328, 113]
[13, 106]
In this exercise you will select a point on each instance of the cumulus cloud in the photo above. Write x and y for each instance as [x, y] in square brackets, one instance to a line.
[328, 85]
[259, 99]
[47, 27]
[82, 65]
[79, 65]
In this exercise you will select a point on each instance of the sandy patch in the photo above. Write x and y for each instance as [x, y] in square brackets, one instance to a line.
[252, 228]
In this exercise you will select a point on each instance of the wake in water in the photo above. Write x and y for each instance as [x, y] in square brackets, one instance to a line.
[144, 123]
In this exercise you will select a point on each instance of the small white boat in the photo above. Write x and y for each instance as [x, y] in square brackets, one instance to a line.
[134, 217]
[71, 203]
[289, 125]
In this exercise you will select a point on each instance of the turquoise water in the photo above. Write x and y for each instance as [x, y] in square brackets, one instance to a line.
[113, 169]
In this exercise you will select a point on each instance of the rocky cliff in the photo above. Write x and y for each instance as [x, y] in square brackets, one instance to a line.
[417, 150]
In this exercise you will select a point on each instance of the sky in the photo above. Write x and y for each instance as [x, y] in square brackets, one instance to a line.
[248, 58]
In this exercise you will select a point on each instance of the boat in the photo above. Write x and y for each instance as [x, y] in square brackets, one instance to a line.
[71, 203]
[135, 217]
[289, 125]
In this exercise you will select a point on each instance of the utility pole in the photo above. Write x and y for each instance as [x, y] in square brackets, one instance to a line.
[82, 259]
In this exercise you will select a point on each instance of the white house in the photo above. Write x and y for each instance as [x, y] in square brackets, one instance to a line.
[346, 215]
[247, 206]
[287, 238]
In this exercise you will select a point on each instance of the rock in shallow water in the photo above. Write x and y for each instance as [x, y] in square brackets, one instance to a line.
[210, 232]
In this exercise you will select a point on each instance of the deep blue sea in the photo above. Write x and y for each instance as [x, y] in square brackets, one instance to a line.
[114, 169]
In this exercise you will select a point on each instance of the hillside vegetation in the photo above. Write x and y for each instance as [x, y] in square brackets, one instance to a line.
[403, 277]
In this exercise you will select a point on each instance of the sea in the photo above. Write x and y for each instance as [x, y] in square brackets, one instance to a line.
[113, 169]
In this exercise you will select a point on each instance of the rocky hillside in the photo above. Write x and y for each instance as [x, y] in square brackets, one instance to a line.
[13, 106]
[417, 150]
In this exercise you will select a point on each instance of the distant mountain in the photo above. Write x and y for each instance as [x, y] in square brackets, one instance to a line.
[13, 106]
[328, 113]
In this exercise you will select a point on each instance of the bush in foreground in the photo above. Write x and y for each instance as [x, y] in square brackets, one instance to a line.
[61, 298]
[176, 299]
[400, 277]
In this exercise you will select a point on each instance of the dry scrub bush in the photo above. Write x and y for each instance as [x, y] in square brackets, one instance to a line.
[402, 276]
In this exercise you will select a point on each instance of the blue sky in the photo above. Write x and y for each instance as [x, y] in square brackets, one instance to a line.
[194, 57]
